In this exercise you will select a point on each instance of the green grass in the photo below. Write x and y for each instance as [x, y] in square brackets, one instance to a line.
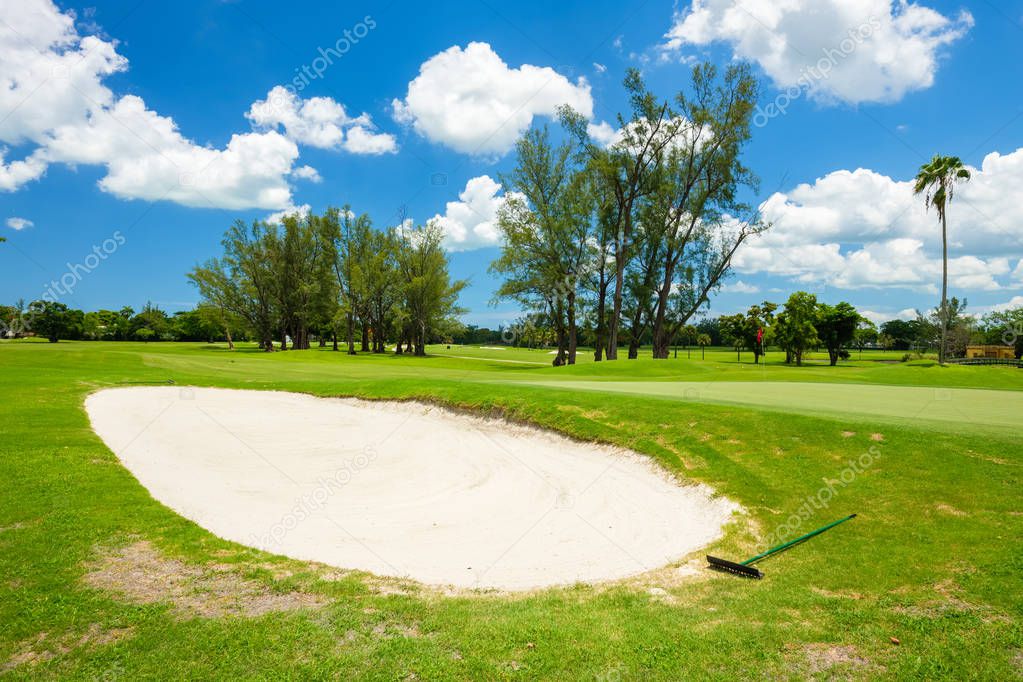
[933, 560]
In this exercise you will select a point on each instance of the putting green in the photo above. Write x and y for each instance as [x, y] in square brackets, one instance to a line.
[949, 409]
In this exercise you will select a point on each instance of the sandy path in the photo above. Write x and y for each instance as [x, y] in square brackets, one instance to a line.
[403, 489]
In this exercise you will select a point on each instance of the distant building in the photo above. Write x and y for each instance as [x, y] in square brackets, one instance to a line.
[997, 352]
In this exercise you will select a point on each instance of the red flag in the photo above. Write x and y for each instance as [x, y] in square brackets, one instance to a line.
[760, 335]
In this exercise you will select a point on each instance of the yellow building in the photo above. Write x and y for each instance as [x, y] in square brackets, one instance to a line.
[997, 352]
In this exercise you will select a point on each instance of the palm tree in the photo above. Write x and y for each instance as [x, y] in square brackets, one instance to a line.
[703, 340]
[937, 180]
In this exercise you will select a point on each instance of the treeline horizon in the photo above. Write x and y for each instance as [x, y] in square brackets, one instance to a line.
[841, 323]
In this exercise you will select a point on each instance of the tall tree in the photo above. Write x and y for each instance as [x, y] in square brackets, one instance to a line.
[694, 199]
[836, 327]
[242, 281]
[936, 180]
[794, 329]
[430, 296]
[546, 222]
[625, 170]
[350, 234]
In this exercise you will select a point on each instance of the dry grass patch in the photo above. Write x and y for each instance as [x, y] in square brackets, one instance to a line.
[44, 647]
[949, 509]
[832, 661]
[143, 575]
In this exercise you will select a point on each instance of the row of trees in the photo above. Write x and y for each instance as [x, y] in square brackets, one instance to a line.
[803, 324]
[54, 321]
[925, 333]
[333, 275]
[628, 241]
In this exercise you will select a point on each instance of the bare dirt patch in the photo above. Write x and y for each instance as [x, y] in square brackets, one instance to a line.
[949, 509]
[837, 660]
[848, 434]
[44, 647]
[837, 595]
[878, 437]
[143, 575]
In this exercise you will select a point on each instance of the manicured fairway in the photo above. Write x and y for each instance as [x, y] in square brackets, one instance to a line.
[100, 581]
[928, 407]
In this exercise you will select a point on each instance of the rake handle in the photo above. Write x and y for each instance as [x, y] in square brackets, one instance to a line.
[801, 538]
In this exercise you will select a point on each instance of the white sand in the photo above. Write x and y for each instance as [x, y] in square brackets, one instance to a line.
[403, 489]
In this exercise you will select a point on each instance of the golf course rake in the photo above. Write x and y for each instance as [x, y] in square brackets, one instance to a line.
[746, 568]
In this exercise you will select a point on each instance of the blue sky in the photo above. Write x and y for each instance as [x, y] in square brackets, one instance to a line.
[118, 118]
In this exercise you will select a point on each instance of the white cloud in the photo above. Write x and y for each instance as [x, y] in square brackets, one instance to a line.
[16, 173]
[19, 223]
[472, 101]
[306, 173]
[318, 122]
[603, 133]
[740, 287]
[361, 140]
[58, 104]
[861, 229]
[300, 211]
[1011, 304]
[471, 222]
[847, 50]
[599, 68]
[682, 130]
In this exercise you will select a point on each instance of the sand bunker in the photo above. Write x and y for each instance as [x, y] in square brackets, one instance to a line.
[403, 489]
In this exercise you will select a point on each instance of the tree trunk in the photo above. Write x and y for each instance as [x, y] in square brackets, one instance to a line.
[616, 308]
[421, 341]
[351, 333]
[572, 333]
[943, 312]
[230, 342]
[601, 330]
[365, 337]
[333, 337]
[636, 332]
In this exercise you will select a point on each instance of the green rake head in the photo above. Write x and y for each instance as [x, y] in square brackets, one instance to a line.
[745, 568]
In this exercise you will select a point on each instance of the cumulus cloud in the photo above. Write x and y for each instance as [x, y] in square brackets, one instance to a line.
[471, 222]
[862, 229]
[361, 140]
[306, 173]
[318, 122]
[1012, 304]
[290, 210]
[58, 104]
[472, 101]
[603, 133]
[59, 108]
[19, 223]
[740, 287]
[847, 50]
